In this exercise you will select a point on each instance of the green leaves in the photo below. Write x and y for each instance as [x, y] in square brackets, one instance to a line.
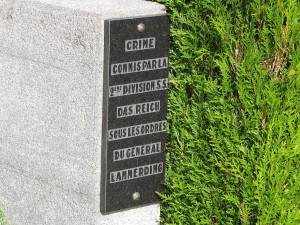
[2, 219]
[234, 113]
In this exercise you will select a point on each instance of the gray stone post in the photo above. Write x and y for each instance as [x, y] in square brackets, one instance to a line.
[51, 101]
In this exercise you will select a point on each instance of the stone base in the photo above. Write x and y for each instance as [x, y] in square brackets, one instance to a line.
[51, 57]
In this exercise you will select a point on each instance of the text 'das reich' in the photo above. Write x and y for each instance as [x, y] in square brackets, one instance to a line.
[138, 109]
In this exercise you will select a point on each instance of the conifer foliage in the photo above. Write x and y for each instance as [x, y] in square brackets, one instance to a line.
[2, 219]
[233, 155]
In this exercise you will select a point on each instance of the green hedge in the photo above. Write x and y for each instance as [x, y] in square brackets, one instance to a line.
[2, 219]
[234, 112]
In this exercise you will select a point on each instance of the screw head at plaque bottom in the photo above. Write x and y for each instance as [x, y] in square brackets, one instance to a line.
[136, 196]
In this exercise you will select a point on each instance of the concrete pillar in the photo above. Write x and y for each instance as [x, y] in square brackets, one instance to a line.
[51, 82]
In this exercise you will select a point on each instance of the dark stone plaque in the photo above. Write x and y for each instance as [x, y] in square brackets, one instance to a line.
[134, 111]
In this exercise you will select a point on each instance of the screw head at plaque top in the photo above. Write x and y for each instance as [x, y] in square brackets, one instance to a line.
[136, 196]
[141, 27]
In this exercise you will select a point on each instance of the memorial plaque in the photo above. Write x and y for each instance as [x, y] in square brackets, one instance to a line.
[134, 111]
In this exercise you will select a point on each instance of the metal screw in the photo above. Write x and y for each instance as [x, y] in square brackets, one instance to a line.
[136, 196]
[141, 27]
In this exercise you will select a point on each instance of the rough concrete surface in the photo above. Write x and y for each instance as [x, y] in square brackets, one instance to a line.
[51, 55]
